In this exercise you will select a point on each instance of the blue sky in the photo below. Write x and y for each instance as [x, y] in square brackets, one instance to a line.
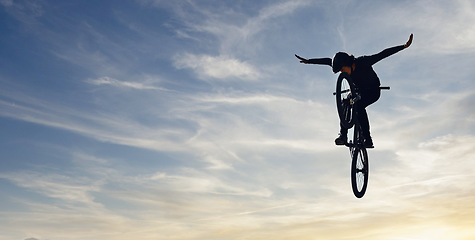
[153, 119]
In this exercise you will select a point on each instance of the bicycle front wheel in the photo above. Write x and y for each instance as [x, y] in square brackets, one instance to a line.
[359, 171]
[344, 92]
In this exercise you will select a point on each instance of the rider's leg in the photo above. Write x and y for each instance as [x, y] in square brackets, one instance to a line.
[343, 130]
[343, 138]
[364, 122]
[368, 97]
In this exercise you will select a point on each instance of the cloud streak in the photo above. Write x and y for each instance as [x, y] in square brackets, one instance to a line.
[219, 68]
[101, 126]
[124, 84]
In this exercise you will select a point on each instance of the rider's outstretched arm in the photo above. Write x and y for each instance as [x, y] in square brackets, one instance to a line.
[321, 61]
[388, 52]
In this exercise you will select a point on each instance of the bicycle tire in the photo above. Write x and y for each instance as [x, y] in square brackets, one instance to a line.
[359, 171]
[344, 90]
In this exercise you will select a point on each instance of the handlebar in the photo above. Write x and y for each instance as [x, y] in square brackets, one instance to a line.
[347, 90]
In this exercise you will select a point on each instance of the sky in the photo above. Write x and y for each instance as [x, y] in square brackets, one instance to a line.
[154, 119]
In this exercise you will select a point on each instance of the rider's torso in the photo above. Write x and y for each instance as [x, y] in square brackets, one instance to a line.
[364, 76]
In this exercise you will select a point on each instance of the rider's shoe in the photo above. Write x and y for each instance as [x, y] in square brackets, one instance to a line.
[368, 143]
[341, 140]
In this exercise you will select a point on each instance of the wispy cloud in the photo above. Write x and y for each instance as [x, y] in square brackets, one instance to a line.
[101, 126]
[431, 36]
[124, 84]
[236, 36]
[449, 37]
[71, 190]
[220, 68]
[25, 12]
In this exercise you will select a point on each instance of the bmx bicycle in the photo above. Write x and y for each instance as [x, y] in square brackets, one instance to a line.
[347, 97]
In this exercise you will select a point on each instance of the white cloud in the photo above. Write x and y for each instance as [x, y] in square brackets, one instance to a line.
[238, 38]
[108, 127]
[116, 83]
[439, 27]
[57, 186]
[191, 181]
[454, 34]
[220, 68]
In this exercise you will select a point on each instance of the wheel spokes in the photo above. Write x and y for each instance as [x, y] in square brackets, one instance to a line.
[361, 171]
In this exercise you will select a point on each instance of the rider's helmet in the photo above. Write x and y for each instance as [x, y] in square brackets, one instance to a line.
[340, 60]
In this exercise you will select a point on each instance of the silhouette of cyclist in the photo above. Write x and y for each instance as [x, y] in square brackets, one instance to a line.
[365, 78]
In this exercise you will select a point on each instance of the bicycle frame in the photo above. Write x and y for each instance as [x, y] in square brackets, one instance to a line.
[347, 97]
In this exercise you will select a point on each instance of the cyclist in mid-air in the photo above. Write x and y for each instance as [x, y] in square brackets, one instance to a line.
[365, 78]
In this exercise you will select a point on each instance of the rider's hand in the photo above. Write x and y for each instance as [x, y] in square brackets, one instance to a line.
[409, 41]
[302, 60]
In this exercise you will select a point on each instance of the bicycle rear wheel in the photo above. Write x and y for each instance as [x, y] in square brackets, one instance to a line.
[359, 171]
[344, 92]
